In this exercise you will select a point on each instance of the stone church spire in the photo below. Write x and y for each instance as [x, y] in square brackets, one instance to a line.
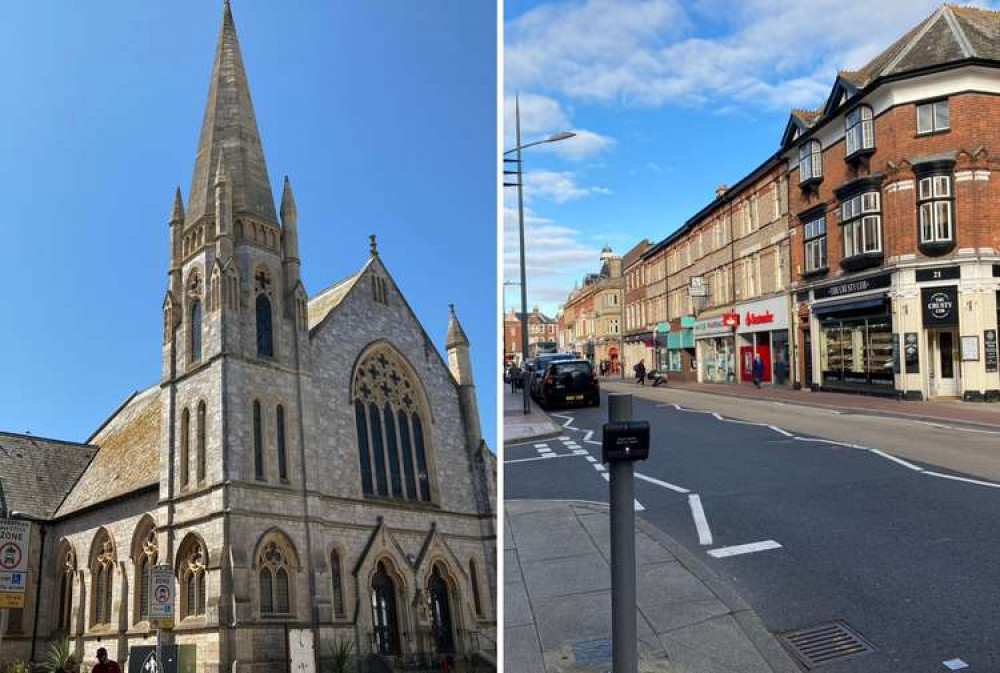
[460, 364]
[229, 123]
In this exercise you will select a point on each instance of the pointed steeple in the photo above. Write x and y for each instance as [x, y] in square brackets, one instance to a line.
[289, 235]
[287, 200]
[177, 212]
[229, 122]
[456, 335]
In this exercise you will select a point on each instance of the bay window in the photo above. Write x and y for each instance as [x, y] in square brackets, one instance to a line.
[935, 206]
[860, 131]
[861, 219]
[815, 244]
[810, 162]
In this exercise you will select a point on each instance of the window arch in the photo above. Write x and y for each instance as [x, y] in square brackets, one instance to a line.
[265, 332]
[280, 432]
[201, 441]
[337, 585]
[66, 569]
[442, 626]
[144, 555]
[276, 562]
[185, 446]
[191, 573]
[195, 338]
[102, 570]
[258, 442]
[390, 415]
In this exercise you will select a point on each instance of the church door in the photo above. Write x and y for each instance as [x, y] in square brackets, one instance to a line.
[441, 626]
[384, 621]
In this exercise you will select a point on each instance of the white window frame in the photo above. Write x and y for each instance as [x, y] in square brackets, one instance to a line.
[933, 116]
[935, 197]
[814, 240]
[861, 222]
[859, 130]
[810, 161]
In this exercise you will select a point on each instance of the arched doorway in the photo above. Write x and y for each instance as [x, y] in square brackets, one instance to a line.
[442, 628]
[385, 625]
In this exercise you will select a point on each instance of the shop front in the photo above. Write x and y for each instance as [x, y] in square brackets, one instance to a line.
[679, 349]
[639, 346]
[714, 339]
[763, 333]
[854, 347]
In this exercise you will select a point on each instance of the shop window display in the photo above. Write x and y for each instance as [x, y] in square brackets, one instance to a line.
[857, 351]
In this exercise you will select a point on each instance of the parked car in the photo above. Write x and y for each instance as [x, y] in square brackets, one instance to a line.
[569, 382]
[538, 366]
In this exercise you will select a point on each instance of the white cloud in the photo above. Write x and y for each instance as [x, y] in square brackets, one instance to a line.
[763, 53]
[541, 116]
[557, 186]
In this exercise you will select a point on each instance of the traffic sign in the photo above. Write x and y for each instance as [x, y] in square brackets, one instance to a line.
[161, 592]
[14, 537]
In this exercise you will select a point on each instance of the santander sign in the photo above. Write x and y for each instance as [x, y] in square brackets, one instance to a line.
[759, 318]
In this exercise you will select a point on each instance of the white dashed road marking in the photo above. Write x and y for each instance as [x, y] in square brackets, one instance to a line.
[664, 484]
[723, 552]
[700, 522]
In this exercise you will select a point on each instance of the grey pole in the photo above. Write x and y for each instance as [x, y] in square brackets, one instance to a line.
[524, 285]
[624, 638]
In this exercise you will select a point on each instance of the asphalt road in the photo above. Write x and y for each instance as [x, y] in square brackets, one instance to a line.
[907, 559]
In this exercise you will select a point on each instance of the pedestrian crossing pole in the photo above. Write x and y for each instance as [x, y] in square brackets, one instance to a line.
[624, 441]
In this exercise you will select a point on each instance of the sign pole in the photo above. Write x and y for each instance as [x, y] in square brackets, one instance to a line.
[624, 637]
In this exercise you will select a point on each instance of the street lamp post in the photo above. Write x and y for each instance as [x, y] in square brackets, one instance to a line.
[516, 160]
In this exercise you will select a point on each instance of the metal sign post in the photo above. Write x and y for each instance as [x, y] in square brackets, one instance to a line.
[161, 607]
[624, 441]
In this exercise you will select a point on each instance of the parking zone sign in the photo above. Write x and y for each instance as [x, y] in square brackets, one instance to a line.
[13, 562]
[161, 593]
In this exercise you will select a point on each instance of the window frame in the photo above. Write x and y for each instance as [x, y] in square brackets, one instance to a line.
[815, 243]
[855, 216]
[856, 126]
[810, 151]
[934, 106]
[934, 200]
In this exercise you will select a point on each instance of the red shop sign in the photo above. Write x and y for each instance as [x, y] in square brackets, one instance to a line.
[731, 319]
[759, 318]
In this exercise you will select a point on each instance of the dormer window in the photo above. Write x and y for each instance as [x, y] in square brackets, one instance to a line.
[810, 163]
[860, 131]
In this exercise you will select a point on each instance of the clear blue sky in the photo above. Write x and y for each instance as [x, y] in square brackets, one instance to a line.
[382, 113]
[670, 99]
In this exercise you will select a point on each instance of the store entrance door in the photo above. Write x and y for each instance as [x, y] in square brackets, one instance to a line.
[945, 362]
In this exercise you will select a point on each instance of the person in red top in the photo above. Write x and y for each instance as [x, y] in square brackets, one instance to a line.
[104, 664]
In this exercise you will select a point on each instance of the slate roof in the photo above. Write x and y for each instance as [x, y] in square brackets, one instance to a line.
[36, 473]
[326, 300]
[128, 458]
[229, 124]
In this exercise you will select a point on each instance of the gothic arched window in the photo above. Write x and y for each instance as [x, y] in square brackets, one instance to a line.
[282, 457]
[274, 566]
[201, 441]
[337, 580]
[384, 621]
[390, 412]
[67, 573]
[145, 559]
[192, 577]
[195, 340]
[185, 446]
[258, 442]
[265, 334]
[102, 571]
[474, 580]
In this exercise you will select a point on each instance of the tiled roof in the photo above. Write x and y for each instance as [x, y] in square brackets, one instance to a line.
[327, 300]
[36, 473]
[128, 457]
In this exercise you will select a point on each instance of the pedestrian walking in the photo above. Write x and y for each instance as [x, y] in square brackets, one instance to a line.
[515, 377]
[640, 373]
[758, 370]
[104, 664]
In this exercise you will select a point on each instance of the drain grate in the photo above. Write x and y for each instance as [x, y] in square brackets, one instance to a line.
[825, 643]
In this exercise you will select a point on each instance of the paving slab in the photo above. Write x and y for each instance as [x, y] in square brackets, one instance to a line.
[519, 427]
[558, 619]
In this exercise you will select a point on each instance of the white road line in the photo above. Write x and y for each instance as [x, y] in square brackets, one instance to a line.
[564, 438]
[781, 431]
[607, 477]
[718, 416]
[723, 552]
[541, 446]
[820, 440]
[600, 468]
[700, 522]
[897, 460]
[591, 459]
[977, 482]
[588, 435]
[954, 664]
[664, 484]
[528, 460]
[638, 506]
[580, 452]
[590, 441]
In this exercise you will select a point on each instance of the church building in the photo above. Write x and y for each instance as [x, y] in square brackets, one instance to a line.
[305, 464]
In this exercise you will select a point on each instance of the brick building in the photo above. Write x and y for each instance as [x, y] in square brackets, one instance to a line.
[896, 269]
[543, 333]
[590, 320]
[304, 463]
[638, 332]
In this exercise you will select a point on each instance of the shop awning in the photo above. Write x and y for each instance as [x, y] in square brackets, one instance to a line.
[850, 305]
[682, 339]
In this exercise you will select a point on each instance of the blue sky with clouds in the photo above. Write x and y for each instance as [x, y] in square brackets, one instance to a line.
[669, 99]
[382, 113]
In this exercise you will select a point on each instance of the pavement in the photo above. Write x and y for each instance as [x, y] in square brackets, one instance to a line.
[978, 413]
[557, 600]
[812, 516]
[521, 427]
